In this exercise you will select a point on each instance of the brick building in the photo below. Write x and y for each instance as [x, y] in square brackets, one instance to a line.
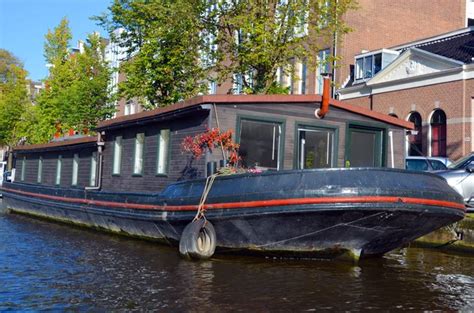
[376, 24]
[429, 82]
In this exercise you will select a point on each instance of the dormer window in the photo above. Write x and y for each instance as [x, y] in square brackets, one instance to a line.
[367, 65]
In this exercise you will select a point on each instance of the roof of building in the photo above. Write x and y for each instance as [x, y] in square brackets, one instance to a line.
[458, 47]
[68, 142]
[313, 100]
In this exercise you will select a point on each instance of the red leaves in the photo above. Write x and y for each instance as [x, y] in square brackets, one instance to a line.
[207, 141]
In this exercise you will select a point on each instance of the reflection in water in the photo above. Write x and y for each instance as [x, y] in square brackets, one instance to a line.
[50, 266]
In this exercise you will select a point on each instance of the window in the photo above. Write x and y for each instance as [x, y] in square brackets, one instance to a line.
[260, 143]
[58, 169]
[364, 146]
[117, 156]
[368, 65]
[40, 170]
[416, 141]
[23, 169]
[438, 133]
[163, 151]
[138, 158]
[302, 77]
[93, 173]
[323, 67]
[75, 169]
[130, 107]
[315, 148]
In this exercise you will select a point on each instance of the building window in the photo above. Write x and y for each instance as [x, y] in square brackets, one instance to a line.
[163, 151]
[315, 148]
[302, 76]
[323, 67]
[368, 65]
[23, 169]
[415, 141]
[365, 146]
[438, 133]
[117, 156]
[58, 169]
[40, 170]
[75, 169]
[93, 173]
[260, 143]
[138, 157]
[130, 107]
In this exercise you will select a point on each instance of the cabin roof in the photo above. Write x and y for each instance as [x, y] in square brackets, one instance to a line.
[65, 142]
[314, 100]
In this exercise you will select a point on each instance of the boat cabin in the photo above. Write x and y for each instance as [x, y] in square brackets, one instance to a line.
[143, 151]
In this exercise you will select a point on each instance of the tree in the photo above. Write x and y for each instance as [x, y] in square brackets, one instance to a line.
[56, 47]
[257, 38]
[175, 46]
[14, 100]
[77, 95]
[163, 43]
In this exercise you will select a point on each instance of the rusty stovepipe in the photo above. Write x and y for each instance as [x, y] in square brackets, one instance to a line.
[321, 112]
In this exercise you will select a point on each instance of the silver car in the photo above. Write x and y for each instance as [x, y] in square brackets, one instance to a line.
[460, 176]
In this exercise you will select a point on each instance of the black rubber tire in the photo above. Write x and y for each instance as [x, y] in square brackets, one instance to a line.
[198, 240]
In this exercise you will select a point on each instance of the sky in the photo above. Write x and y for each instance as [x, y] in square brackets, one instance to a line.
[24, 23]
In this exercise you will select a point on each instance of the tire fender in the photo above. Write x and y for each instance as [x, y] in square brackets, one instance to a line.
[198, 240]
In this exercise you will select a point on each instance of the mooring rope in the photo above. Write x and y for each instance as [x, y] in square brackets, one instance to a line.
[205, 193]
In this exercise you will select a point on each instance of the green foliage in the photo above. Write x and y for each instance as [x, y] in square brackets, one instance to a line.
[257, 38]
[163, 41]
[56, 47]
[172, 50]
[76, 94]
[14, 100]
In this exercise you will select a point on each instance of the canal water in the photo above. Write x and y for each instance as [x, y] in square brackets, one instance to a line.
[48, 266]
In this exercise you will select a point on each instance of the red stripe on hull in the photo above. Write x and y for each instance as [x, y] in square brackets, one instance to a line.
[250, 204]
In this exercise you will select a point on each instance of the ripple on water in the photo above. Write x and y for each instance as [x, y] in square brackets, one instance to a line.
[47, 266]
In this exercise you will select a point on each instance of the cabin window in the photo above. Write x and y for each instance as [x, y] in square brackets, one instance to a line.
[364, 146]
[58, 169]
[117, 156]
[163, 151]
[138, 159]
[23, 169]
[93, 174]
[260, 144]
[315, 147]
[40, 170]
[438, 133]
[75, 169]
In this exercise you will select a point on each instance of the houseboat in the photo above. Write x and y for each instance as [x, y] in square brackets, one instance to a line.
[317, 187]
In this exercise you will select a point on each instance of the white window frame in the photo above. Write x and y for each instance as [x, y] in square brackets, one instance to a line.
[117, 160]
[75, 169]
[93, 173]
[162, 162]
[58, 170]
[39, 177]
[138, 154]
[23, 169]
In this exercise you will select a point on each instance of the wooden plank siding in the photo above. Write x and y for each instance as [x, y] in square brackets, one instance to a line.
[303, 114]
[181, 166]
[49, 167]
[178, 162]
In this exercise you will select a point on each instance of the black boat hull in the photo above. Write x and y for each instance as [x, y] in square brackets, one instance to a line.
[322, 213]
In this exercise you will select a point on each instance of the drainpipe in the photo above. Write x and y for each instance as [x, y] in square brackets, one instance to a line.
[100, 148]
[321, 112]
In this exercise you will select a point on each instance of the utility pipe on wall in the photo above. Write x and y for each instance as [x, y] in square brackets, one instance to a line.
[323, 110]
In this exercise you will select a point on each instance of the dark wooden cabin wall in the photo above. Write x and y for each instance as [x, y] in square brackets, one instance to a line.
[294, 114]
[149, 181]
[50, 164]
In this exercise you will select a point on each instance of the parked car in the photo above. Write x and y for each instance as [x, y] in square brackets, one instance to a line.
[426, 163]
[460, 176]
